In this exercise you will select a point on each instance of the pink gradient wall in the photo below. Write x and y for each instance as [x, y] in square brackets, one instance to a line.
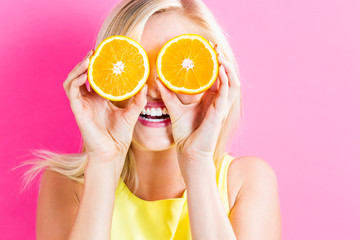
[300, 66]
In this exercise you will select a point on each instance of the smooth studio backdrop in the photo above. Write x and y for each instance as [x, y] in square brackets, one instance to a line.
[300, 66]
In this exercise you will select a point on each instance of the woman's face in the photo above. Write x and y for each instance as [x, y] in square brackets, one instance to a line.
[158, 30]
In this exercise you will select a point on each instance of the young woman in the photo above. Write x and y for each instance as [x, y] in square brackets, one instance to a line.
[138, 180]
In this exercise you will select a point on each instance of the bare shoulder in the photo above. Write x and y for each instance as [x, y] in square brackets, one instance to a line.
[57, 205]
[56, 183]
[248, 173]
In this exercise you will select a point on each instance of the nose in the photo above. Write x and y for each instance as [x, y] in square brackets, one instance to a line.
[153, 93]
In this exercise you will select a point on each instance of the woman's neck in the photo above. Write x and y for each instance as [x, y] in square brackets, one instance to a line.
[159, 174]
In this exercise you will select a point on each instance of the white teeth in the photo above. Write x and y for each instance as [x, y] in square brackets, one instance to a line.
[154, 111]
[154, 120]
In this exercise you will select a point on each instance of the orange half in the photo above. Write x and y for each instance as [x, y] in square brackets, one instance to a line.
[187, 64]
[119, 68]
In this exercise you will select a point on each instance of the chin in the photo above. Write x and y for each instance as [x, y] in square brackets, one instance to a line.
[153, 144]
[153, 139]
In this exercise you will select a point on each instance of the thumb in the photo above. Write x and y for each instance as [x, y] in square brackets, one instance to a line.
[171, 101]
[138, 103]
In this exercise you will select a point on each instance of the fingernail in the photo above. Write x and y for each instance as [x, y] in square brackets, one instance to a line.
[158, 83]
[89, 53]
[82, 61]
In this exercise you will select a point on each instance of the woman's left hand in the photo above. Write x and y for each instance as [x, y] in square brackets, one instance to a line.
[196, 126]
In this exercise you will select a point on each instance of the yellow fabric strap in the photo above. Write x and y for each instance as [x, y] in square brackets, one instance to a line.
[221, 176]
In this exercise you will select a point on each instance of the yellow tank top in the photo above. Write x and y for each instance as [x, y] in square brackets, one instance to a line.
[138, 219]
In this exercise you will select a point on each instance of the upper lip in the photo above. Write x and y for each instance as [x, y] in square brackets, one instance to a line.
[157, 104]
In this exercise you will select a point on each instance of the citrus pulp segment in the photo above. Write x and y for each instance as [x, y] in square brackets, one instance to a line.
[119, 68]
[187, 64]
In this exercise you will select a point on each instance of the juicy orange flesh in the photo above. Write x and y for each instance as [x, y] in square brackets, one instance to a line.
[192, 78]
[104, 74]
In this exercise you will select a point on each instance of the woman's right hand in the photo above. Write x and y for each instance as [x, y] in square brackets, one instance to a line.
[106, 129]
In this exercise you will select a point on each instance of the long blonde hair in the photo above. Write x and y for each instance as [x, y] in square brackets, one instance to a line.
[128, 18]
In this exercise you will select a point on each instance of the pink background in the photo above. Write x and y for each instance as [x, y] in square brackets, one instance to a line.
[300, 63]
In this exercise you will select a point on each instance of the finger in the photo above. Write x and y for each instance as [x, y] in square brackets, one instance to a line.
[92, 92]
[212, 44]
[233, 79]
[171, 101]
[209, 94]
[207, 101]
[140, 100]
[112, 106]
[221, 98]
[79, 69]
[75, 73]
[89, 87]
[215, 112]
[74, 88]
[88, 55]
[215, 86]
[138, 103]
[83, 90]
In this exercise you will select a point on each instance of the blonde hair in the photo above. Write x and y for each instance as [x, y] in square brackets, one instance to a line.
[128, 18]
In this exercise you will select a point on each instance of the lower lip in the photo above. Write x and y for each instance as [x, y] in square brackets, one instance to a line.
[154, 124]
